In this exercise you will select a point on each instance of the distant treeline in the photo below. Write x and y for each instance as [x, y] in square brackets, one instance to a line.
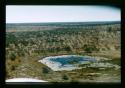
[64, 24]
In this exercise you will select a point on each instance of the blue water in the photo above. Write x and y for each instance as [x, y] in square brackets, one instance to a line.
[67, 60]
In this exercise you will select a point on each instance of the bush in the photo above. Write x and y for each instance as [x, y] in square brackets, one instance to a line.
[13, 68]
[90, 49]
[12, 56]
[45, 70]
[65, 77]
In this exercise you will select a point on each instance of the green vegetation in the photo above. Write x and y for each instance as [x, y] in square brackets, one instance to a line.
[45, 70]
[25, 45]
[65, 77]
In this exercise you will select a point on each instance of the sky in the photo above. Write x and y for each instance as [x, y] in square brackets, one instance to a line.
[44, 13]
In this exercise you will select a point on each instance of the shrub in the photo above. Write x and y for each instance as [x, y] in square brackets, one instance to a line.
[65, 77]
[12, 56]
[13, 68]
[45, 70]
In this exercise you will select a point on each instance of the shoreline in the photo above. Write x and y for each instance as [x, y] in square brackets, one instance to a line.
[57, 66]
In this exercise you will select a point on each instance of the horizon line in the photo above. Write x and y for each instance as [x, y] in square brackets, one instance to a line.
[65, 22]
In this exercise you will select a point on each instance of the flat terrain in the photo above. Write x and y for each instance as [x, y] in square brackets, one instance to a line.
[28, 43]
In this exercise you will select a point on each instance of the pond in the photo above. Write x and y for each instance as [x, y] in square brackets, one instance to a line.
[71, 59]
[71, 62]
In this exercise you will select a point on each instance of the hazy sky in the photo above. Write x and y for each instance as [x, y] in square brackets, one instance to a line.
[27, 14]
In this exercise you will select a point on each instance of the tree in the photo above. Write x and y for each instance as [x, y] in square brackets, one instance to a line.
[109, 29]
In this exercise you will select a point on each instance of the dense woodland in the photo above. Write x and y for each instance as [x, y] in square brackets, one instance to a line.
[41, 41]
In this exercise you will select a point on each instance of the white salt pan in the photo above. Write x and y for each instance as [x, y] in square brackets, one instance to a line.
[24, 80]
